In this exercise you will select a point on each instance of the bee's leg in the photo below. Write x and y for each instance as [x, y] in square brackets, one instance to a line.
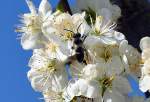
[67, 67]
[83, 37]
[80, 54]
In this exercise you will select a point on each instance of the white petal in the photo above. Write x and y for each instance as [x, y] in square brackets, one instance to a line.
[119, 36]
[39, 83]
[97, 5]
[38, 59]
[145, 83]
[108, 40]
[106, 13]
[31, 6]
[93, 71]
[122, 85]
[146, 54]
[93, 90]
[44, 7]
[113, 96]
[146, 67]
[116, 12]
[83, 86]
[59, 80]
[71, 91]
[145, 43]
[114, 66]
[123, 46]
[31, 41]
[89, 89]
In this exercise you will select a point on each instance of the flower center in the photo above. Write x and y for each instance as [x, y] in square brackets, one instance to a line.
[106, 82]
[102, 27]
[68, 35]
[106, 54]
[31, 24]
[49, 68]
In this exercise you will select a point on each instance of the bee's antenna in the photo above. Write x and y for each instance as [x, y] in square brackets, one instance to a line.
[78, 27]
[69, 30]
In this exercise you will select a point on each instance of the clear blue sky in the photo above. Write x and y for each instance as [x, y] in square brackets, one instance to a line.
[14, 85]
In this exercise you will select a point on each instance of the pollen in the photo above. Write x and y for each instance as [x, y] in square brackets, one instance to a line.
[106, 82]
[68, 35]
[106, 55]
[49, 67]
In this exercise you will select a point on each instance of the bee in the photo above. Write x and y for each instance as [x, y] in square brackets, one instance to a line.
[78, 47]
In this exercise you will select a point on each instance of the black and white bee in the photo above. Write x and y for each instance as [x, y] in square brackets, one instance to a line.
[78, 47]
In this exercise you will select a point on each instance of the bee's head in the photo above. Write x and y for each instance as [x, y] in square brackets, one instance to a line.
[77, 35]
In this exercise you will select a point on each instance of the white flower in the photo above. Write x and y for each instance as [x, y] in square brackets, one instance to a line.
[131, 56]
[119, 90]
[145, 79]
[61, 28]
[81, 87]
[46, 73]
[101, 7]
[102, 26]
[53, 51]
[33, 37]
[145, 47]
[63, 22]
[93, 71]
[107, 55]
[104, 29]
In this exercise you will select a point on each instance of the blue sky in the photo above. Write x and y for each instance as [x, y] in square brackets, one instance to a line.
[14, 85]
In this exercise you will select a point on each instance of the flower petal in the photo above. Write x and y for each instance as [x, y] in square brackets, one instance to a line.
[44, 7]
[145, 43]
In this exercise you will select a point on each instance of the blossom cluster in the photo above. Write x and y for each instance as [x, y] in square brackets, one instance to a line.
[77, 61]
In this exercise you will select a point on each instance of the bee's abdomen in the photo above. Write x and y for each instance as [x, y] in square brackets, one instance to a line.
[80, 54]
